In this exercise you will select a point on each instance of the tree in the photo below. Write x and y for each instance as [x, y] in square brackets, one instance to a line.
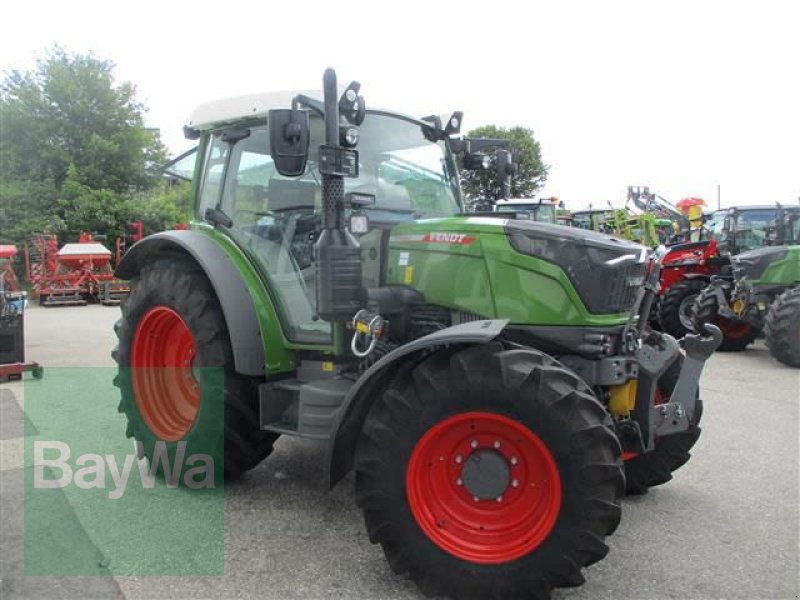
[70, 112]
[530, 175]
[75, 154]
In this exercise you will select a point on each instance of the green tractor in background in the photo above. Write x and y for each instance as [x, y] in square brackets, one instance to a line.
[492, 381]
[762, 291]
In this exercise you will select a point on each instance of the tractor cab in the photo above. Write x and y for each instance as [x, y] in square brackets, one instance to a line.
[748, 228]
[403, 175]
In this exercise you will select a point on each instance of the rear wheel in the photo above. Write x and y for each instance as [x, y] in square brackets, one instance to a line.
[489, 473]
[736, 335]
[176, 372]
[782, 328]
[675, 308]
[671, 452]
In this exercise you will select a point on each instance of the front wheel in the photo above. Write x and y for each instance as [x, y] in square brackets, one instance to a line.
[675, 308]
[736, 335]
[489, 473]
[782, 329]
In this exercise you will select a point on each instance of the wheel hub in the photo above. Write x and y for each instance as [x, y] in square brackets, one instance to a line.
[486, 475]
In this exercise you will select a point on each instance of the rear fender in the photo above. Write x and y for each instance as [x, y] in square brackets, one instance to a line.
[350, 418]
[237, 305]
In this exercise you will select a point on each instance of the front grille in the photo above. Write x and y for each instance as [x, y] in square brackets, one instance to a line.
[624, 284]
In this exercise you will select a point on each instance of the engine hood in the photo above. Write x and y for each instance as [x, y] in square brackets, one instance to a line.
[751, 265]
[606, 271]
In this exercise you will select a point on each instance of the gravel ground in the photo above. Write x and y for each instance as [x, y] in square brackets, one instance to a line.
[727, 526]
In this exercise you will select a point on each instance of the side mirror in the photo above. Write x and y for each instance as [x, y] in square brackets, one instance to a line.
[505, 169]
[358, 200]
[289, 134]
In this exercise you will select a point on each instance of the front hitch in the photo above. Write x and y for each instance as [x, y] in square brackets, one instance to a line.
[675, 415]
[723, 305]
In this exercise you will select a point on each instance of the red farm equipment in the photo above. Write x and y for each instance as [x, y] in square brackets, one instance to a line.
[8, 279]
[686, 269]
[74, 274]
[136, 233]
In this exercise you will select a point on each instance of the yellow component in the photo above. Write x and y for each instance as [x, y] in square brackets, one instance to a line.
[408, 275]
[327, 366]
[738, 307]
[622, 398]
[362, 327]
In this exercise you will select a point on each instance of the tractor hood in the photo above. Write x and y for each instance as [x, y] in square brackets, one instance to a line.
[605, 270]
[529, 272]
[752, 264]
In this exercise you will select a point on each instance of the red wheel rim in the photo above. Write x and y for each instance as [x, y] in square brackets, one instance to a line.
[486, 530]
[733, 330]
[164, 386]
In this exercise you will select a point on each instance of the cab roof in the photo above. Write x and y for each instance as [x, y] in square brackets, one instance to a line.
[217, 112]
[210, 115]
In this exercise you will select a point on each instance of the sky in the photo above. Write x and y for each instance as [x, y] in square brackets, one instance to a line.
[682, 96]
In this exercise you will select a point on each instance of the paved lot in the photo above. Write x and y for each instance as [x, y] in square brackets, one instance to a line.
[725, 527]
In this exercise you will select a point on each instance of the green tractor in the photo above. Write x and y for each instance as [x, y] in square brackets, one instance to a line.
[492, 381]
[762, 292]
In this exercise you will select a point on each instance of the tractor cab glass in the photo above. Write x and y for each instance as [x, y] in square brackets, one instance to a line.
[543, 212]
[277, 219]
[748, 229]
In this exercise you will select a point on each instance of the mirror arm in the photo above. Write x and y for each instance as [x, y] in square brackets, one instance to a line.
[311, 103]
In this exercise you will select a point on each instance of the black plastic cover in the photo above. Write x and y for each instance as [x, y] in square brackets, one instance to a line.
[752, 264]
[339, 291]
[604, 270]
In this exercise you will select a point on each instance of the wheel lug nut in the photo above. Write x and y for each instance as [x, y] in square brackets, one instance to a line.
[513, 460]
[499, 498]
[474, 443]
[459, 482]
[496, 444]
[459, 459]
[515, 483]
[475, 498]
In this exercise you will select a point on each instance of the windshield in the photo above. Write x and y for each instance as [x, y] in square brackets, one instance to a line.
[590, 219]
[539, 212]
[752, 228]
[277, 219]
[793, 227]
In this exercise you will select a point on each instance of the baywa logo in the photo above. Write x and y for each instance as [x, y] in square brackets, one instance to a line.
[90, 470]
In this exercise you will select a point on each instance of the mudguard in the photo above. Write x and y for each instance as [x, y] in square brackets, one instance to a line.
[356, 405]
[237, 306]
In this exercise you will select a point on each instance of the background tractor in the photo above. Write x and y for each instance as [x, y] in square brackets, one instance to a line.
[762, 294]
[688, 268]
[492, 381]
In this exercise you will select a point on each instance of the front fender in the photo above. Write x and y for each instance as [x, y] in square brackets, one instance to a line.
[234, 298]
[350, 417]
